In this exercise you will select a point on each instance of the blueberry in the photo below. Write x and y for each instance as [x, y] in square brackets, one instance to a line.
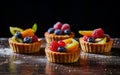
[61, 49]
[18, 35]
[58, 32]
[92, 40]
[51, 30]
[27, 40]
[67, 31]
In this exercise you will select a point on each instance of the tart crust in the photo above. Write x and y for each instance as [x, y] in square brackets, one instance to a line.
[95, 47]
[59, 57]
[25, 48]
[52, 37]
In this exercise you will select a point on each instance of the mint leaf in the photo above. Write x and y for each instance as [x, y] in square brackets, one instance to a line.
[34, 27]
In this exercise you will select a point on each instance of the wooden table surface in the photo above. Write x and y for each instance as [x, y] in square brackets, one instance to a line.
[37, 64]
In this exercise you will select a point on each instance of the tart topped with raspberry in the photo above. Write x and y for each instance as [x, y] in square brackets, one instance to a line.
[63, 51]
[24, 41]
[95, 41]
[58, 32]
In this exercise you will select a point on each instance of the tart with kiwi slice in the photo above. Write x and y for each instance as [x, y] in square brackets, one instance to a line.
[63, 51]
[24, 40]
[96, 42]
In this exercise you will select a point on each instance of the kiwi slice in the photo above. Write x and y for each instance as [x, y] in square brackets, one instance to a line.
[19, 40]
[13, 30]
[103, 41]
[14, 39]
[34, 27]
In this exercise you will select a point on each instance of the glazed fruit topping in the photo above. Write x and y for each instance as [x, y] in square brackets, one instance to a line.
[13, 30]
[67, 31]
[90, 39]
[65, 26]
[60, 29]
[27, 32]
[86, 33]
[107, 37]
[51, 30]
[58, 32]
[34, 39]
[18, 35]
[61, 49]
[24, 36]
[27, 40]
[14, 39]
[34, 27]
[67, 45]
[71, 45]
[54, 46]
[85, 38]
[102, 41]
[57, 46]
[58, 25]
[98, 33]
[61, 43]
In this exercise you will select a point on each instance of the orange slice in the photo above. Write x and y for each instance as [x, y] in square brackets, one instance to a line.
[86, 32]
[71, 44]
[27, 32]
[66, 41]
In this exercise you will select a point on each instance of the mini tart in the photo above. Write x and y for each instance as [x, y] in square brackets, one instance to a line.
[25, 48]
[59, 57]
[95, 47]
[52, 37]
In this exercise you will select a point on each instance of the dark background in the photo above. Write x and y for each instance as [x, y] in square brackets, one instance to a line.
[80, 14]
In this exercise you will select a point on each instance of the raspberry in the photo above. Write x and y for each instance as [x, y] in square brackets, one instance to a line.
[65, 26]
[85, 38]
[61, 43]
[54, 46]
[34, 38]
[58, 25]
[98, 33]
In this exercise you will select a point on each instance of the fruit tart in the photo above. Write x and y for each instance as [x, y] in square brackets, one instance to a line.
[63, 51]
[95, 41]
[24, 41]
[59, 32]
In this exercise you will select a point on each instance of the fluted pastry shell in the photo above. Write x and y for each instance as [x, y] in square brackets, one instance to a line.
[52, 37]
[95, 47]
[25, 48]
[59, 57]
